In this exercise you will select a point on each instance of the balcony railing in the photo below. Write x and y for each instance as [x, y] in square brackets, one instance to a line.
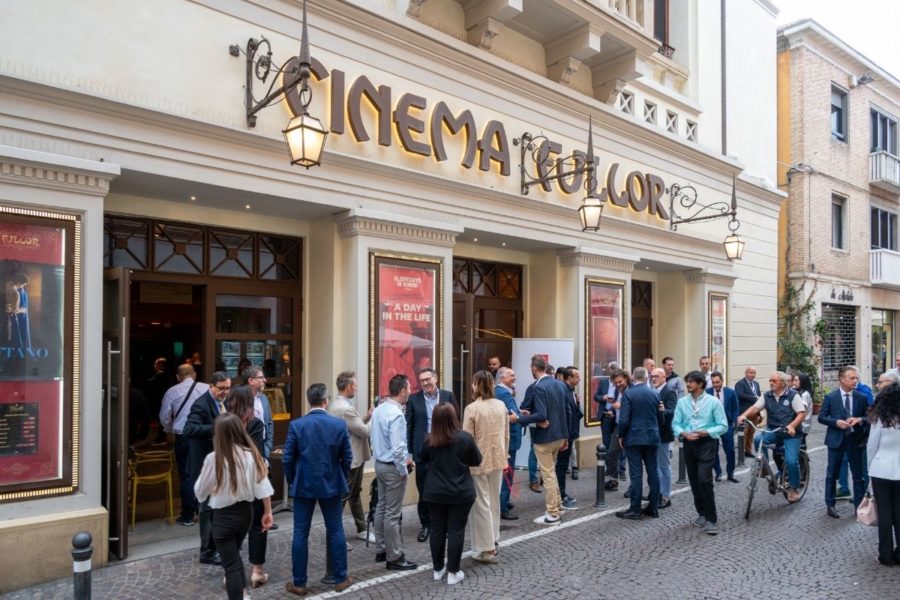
[884, 268]
[638, 12]
[884, 171]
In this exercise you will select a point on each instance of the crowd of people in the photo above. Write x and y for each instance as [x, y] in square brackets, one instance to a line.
[463, 461]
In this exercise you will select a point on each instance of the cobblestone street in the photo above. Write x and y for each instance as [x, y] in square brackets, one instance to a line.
[782, 551]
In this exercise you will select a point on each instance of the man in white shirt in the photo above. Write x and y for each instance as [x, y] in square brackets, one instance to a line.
[704, 368]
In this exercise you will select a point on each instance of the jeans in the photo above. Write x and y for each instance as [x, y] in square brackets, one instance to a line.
[699, 456]
[186, 486]
[504, 486]
[421, 506]
[448, 527]
[791, 454]
[664, 466]
[636, 456]
[727, 440]
[391, 487]
[532, 467]
[562, 465]
[334, 531]
[835, 457]
[230, 525]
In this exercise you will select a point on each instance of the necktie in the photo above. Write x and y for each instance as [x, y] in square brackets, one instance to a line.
[847, 405]
[221, 407]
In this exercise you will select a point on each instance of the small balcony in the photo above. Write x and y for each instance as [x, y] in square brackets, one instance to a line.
[884, 268]
[884, 171]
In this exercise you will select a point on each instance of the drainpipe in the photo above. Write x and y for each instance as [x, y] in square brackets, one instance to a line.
[724, 81]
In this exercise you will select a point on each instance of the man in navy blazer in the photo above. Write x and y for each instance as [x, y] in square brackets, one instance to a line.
[418, 424]
[317, 459]
[641, 415]
[503, 391]
[844, 412]
[729, 399]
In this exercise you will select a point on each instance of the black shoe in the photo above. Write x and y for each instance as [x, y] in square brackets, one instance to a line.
[650, 513]
[718, 478]
[211, 559]
[329, 580]
[510, 505]
[189, 522]
[509, 516]
[733, 479]
[623, 477]
[630, 515]
[833, 513]
[749, 455]
[627, 493]
[423, 534]
[401, 564]
[664, 503]
[612, 485]
[380, 556]
[273, 527]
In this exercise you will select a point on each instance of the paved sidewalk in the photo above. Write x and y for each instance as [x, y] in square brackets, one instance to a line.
[783, 551]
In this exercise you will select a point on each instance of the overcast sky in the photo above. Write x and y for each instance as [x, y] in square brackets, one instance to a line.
[871, 27]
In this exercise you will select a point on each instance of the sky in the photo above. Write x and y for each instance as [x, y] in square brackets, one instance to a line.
[871, 27]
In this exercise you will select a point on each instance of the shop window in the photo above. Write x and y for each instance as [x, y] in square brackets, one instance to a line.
[884, 132]
[884, 229]
[839, 343]
[882, 342]
[838, 113]
[649, 112]
[838, 222]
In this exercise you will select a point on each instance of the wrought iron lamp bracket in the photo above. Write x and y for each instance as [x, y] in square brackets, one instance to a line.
[533, 147]
[684, 197]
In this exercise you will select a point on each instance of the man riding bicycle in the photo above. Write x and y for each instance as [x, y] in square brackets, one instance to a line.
[786, 410]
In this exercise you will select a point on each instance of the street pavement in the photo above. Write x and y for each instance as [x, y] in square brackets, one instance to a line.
[783, 551]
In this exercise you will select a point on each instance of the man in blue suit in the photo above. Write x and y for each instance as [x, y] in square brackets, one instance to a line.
[317, 458]
[506, 379]
[844, 412]
[640, 416]
[728, 398]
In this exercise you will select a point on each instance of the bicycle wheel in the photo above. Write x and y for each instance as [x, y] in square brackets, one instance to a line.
[751, 486]
[803, 463]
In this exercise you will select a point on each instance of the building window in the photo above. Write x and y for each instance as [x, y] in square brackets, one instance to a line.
[839, 345]
[661, 27]
[838, 222]
[649, 112]
[884, 132]
[690, 130]
[838, 113]
[884, 229]
[626, 102]
[671, 122]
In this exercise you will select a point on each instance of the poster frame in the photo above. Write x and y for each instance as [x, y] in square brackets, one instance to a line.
[589, 284]
[713, 298]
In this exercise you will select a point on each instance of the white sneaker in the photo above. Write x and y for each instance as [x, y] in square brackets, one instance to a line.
[362, 536]
[438, 575]
[547, 519]
[454, 578]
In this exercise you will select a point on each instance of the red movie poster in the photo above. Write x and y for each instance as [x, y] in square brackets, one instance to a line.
[604, 332]
[406, 319]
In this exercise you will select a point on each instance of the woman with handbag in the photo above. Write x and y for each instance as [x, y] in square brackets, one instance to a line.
[234, 475]
[883, 451]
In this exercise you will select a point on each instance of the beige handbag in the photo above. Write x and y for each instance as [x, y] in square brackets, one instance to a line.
[867, 513]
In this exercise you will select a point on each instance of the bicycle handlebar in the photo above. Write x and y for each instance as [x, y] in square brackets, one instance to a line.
[755, 428]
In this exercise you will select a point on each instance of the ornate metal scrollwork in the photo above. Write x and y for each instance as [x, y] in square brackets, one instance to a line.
[685, 198]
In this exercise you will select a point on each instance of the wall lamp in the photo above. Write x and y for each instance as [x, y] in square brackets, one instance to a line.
[685, 198]
[304, 134]
[538, 148]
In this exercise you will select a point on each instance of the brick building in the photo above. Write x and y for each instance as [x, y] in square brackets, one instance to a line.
[838, 160]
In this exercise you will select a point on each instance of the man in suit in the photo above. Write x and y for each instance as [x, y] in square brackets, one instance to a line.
[639, 421]
[669, 400]
[506, 379]
[255, 378]
[574, 414]
[603, 388]
[620, 381]
[545, 406]
[418, 424]
[199, 431]
[748, 392]
[729, 400]
[844, 413]
[317, 459]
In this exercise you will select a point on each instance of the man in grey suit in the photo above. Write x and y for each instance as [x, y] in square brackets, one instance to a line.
[640, 417]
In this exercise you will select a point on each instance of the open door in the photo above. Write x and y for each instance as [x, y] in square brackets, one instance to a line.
[116, 287]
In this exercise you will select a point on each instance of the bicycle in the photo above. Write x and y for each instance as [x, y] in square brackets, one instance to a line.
[762, 468]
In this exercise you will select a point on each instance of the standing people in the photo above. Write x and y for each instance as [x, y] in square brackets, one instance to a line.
[176, 406]
[233, 476]
[317, 459]
[574, 414]
[487, 421]
[700, 420]
[883, 451]
[494, 365]
[728, 398]
[803, 386]
[418, 424]
[388, 432]
[620, 380]
[154, 390]
[748, 393]
[639, 421]
[199, 431]
[673, 380]
[844, 413]
[449, 489]
[506, 379]
[704, 368]
[254, 377]
[669, 401]
[544, 405]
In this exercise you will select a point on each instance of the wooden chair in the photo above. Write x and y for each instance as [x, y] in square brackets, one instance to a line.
[149, 468]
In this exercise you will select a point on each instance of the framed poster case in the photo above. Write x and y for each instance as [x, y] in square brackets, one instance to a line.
[718, 333]
[604, 325]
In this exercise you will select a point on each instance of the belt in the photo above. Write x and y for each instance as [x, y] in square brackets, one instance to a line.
[389, 462]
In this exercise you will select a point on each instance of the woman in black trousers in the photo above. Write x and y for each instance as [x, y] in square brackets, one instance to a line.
[234, 475]
[883, 452]
[449, 490]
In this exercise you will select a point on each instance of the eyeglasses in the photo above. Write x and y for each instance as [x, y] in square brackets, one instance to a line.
[426, 380]
[222, 389]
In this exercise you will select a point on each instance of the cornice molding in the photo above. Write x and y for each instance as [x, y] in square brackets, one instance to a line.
[701, 276]
[55, 172]
[579, 257]
[392, 227]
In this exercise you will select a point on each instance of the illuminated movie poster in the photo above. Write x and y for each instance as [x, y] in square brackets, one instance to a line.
[604, 323]
[718, 330]
[32, 342]
[406, 319]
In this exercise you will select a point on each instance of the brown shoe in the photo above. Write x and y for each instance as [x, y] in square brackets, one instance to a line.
[535, 487]
[293, 589]
[793, 496]
[343, 585]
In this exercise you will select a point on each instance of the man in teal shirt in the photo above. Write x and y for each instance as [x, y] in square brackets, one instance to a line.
[700, 420]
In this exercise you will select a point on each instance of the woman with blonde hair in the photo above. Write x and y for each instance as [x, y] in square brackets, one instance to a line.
[234, 475]
[486, 419]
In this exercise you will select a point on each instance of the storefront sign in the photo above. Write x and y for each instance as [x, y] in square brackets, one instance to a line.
[718, 334]
[404, 318]
[36, 355]
[604, 322]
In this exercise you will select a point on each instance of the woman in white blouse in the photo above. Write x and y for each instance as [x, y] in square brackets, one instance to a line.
[234, 474]
[883, 451]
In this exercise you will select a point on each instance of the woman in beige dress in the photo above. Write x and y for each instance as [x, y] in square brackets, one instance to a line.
[487, 421]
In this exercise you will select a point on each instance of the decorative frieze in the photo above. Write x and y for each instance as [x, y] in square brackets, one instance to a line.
[579, 258]
[355, 225]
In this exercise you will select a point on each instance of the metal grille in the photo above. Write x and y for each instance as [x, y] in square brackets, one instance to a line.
[839, 345]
